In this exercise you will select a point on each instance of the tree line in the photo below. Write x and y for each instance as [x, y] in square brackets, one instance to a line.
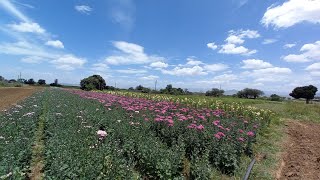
[96, 82]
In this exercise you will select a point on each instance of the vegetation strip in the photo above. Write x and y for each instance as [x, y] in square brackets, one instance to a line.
[37, 162]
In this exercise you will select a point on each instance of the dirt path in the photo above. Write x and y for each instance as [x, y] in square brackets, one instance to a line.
[301, 158]
[12, 95]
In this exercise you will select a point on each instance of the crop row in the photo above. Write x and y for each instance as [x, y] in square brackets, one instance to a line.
[234, 108]
[17, 127]
[146, 139]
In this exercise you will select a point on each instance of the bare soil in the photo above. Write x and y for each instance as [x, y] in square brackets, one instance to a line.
[12, 95]
[301, 157]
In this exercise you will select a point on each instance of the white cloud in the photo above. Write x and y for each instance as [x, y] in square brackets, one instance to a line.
[150, 78]
[310, 52]
[212, 46]
[233, 49]
[220, 79]
[315, 73]
[130, 54]
[123, 13]
[131, 71]
[271, 71]
[312, 67]
[83, 9]
[216, 67]
[9, 7]
[292, 12]
[31, 27]
[32, 59]
[68, 62]
[193, 62]
[158, 64]
[255, 64]
[56, 44]
[273, 74]
[234, 41]
[25, 48]
[287, 46]
[178, 71]
[269, 41]
[100, 67]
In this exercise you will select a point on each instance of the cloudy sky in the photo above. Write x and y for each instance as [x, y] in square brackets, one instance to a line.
[272, 45]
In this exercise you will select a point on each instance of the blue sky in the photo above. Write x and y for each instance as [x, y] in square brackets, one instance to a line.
[270, 45]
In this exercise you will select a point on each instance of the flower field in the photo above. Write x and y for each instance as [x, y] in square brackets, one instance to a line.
[148, 138]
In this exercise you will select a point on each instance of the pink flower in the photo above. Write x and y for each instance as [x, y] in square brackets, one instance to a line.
[227, 129]
[170, 121]
[221, 127]
[250, 133]
[216, 122]
[246, 122]
[218, 135]
[255, 126]
[241, 139]
[200, 127]
[101, 133]
[240, 131]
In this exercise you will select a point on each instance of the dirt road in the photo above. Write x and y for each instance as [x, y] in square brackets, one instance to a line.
[10, 96]
[301, 158]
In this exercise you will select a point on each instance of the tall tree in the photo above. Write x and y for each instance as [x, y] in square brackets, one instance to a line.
[93, 82]
[307, 92]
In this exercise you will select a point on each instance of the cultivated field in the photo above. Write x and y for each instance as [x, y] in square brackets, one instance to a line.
[11, 95]
[52, 134]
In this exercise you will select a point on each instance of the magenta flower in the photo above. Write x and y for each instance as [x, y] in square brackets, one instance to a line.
[241, 139]
[216, 122]
[219, 135]
[200, 127]
[250, 133]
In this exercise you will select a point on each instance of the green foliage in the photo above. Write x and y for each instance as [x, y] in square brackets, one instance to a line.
[30, 82]
[142, 89]
[173, 91]
[250, 93]
[41, 82]
[275, 97]
[94, 82]
[17, 127]
[215, 92]
[307, 92]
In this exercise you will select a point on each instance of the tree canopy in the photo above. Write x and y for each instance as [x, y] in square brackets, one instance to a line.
[215, 92]
[93, 82]
[250, 93]
[307, 92]
[42, 82]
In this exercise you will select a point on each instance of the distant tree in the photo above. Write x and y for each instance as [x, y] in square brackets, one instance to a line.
[250, 93]
[307, 92]
[131, 89]
[146, 90]
[275, 97]
[30, 82]
[21, 80]
[12, 81]
[41, 82]
[139, 88]
[2, 78]
[215, 92]
[92, 82]
[111, 88]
